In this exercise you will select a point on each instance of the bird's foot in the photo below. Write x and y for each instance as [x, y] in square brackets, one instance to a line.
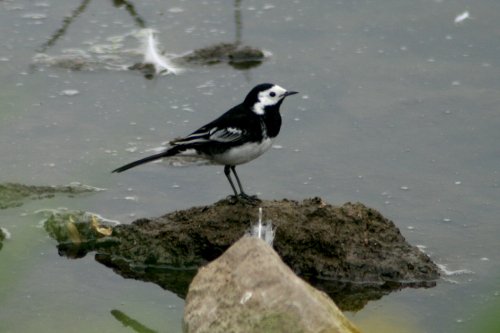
[244, 198]
[251, 199]
[232, 199]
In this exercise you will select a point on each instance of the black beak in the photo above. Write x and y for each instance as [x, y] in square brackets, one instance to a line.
[288, 93]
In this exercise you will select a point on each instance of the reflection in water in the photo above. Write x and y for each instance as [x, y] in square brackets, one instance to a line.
[129, 322]
[353, 297]
[131, 10]
[238, 56]
[238, 21]
[62, 30]
[80, 9]
[348, 296]
[235, 54]
[172, 279]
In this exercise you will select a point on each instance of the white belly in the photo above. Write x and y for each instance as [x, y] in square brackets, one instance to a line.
[243, 154]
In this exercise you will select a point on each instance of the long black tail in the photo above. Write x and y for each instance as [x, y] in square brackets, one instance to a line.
[171, 152]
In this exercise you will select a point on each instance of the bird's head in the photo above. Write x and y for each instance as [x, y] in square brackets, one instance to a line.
[266, 95]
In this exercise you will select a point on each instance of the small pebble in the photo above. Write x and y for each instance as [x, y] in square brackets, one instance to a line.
[176, 10]
[69, 92]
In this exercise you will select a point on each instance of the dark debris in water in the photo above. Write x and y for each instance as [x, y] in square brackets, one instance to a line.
[148, 70]
[233, 54]
[236, 55]
[127, 321]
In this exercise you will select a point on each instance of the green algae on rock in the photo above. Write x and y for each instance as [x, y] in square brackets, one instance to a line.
[77, 231]
[14, 194]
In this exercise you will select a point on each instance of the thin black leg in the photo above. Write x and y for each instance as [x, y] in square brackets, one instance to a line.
[248, 198]
[227, 172]
[237, 179]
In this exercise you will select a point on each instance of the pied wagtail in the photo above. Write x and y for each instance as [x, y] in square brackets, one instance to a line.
[238, 136]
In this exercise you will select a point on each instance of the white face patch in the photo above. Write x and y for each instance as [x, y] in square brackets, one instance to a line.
[268, 97]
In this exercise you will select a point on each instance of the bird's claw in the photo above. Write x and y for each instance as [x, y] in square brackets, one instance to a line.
[251, 199]
[244, 198]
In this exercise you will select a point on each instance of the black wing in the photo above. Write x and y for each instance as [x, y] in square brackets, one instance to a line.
[232, 127]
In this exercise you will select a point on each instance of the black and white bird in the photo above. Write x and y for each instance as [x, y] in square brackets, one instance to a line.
[238, 136]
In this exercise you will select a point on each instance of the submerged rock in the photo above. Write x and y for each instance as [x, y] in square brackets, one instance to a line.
[250, 289]
[78, 232]
[13, 194]
[122, 52]
[352, 252]
[236, 55]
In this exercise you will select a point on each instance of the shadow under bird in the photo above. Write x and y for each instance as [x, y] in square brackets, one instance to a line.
[238, 136]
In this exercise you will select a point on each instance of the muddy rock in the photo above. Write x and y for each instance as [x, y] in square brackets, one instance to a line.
[351, 252]
[349, 243]
[250, 289]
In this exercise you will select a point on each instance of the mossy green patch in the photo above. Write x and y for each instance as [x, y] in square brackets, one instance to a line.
[14, 194]
[78, 232]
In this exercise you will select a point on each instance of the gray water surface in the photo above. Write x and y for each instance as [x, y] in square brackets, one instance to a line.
[398, 109]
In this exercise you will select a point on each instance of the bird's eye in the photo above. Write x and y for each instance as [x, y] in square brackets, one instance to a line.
[272, 94]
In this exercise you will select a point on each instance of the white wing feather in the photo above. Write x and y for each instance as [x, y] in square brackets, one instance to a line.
[152, 55]
[227, 134]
